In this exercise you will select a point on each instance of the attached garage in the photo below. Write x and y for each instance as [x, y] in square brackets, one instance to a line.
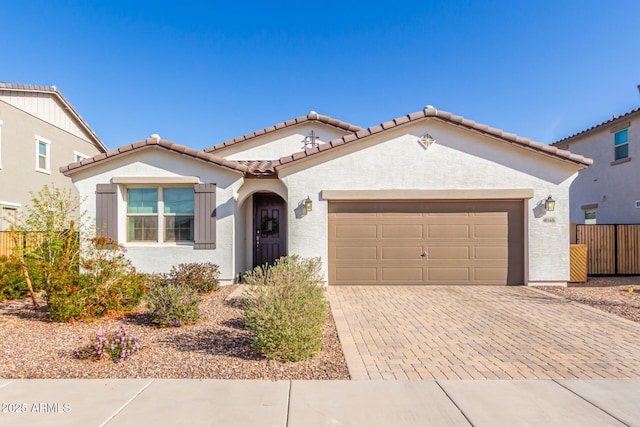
[427, 242]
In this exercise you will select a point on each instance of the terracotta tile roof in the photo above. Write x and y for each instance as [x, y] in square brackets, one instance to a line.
[14, 87]
[605, 123]
[258, 167]
[151, 143]
[444, 116]
[311, 117]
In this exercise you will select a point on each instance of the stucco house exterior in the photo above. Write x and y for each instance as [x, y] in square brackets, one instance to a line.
[609, 191]
[40, 131]
[426, 198]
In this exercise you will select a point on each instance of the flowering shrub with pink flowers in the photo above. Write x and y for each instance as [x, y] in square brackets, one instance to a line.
[117, 344]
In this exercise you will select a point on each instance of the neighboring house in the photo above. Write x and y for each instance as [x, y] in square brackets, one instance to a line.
[427, 198]
[609, 191]
[39, 132]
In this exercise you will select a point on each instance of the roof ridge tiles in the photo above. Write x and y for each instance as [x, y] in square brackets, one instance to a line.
[311, 117]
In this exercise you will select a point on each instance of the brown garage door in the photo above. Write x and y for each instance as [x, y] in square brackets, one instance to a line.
[426, 243]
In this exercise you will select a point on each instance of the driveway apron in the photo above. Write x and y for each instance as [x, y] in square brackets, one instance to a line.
[479, 332]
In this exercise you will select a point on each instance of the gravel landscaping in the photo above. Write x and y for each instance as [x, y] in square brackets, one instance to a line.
[610, 294]
[217, 346]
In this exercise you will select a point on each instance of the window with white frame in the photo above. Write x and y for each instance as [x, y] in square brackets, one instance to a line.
[8, 216]
[78, 157]
[160, 214]
[621, 145]
[590, 216]
[43, 155]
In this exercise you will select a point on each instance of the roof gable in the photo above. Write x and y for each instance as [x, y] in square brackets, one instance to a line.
[312, 117]
[430, 112]
[28, 98]
[153, 142]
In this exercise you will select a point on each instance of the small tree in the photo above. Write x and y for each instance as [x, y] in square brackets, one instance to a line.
[54, 213]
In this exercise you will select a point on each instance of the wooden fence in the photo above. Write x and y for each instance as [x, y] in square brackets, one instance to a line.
[8, 244]
[612, 249]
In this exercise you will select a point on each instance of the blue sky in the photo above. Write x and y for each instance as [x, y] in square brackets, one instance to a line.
[199, 73]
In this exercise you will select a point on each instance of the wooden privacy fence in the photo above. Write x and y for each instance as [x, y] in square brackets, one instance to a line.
[612, 249]
[8, 244]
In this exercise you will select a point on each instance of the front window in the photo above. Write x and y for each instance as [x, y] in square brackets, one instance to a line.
[160, 214]
[621, 144]
[43, 156]
[178, 214]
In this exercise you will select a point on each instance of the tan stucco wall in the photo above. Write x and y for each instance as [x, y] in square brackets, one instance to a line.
[18, 175]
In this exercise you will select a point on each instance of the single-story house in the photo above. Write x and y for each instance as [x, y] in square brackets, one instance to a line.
[426, 198]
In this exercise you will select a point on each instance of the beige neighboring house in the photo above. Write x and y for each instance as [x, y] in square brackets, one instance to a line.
[429, 198]
[608, 192]
[40, 131]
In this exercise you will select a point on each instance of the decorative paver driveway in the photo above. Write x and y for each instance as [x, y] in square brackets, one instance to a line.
[478, 332]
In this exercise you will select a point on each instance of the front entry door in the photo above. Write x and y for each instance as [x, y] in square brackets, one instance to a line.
[269, 229]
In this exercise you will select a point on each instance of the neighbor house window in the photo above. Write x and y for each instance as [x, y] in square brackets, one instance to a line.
[43, 155]
[160, 214]
[78, 157]
[589, 216]
[7, 217]
[621, 144]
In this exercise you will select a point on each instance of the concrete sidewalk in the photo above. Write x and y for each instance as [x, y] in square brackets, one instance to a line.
[134, 402]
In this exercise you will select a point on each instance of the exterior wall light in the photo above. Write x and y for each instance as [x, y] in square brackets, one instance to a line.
[308, 204]
[549, 204]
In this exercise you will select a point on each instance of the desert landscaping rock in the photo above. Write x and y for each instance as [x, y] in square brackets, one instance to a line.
[217, 346]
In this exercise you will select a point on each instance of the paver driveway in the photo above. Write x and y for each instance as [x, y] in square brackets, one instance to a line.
[478, 332]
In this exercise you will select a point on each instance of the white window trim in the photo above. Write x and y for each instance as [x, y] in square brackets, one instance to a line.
[78, 156]
[1, 123]
[47, 170]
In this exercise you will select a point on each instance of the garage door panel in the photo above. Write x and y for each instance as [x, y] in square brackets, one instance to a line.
[467, 242]
[490, 274]
[356, 275]
[401, 253]
[357, 231]
[491, 252]
[448, 253]
[449, 231]
[485, 231]
[445, 275]
[402, 275]
[356, 253]
[408, 231]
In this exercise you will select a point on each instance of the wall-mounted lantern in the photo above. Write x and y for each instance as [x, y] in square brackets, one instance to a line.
[549, 204]
[308, 204]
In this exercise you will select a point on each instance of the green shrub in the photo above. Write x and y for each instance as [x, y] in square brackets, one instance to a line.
[201, 276]
[12, 282]
[171, 304]
[284, 308]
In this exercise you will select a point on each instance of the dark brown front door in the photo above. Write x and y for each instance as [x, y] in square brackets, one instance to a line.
[269, 229]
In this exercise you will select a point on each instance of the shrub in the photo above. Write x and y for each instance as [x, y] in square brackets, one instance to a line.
[203, 277]
[171, 304]
[12, 282]
[107, 282]
[284, 308]
[118, 344]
